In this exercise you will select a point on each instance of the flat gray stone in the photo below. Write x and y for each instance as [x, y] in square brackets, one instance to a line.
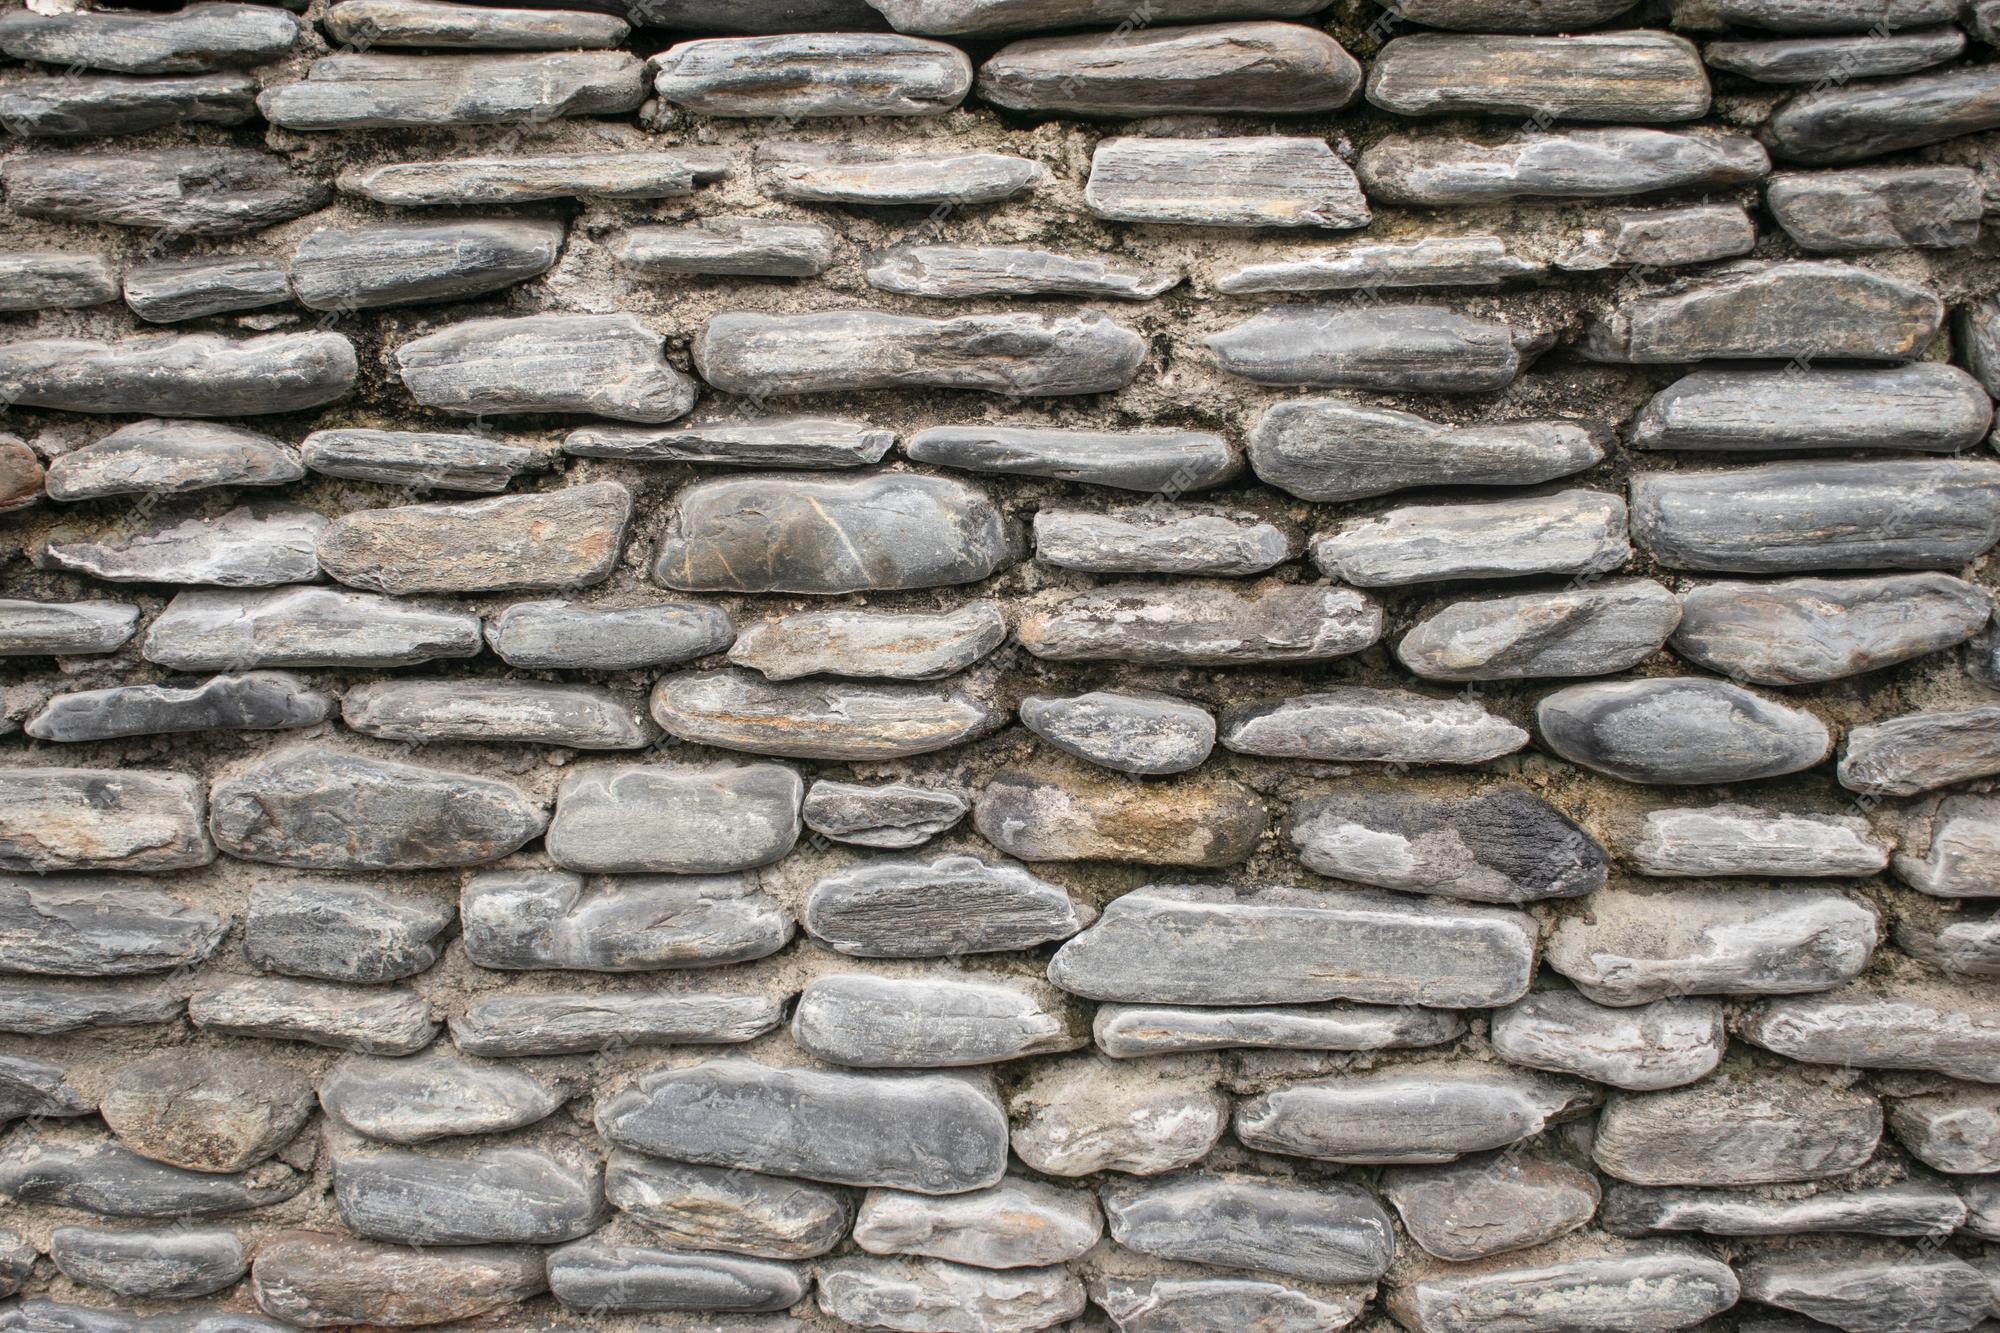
[1811, 16]
[802, 533]
[930, 1133]
[472, 182]
[912, 645]
[1080, 814]
[1634, 76]
[1679, 730]
[1948, 851]
[435, 1094]
[1359, 723]
[1924, 407]
[1660, 238]
[729, 247]
[187, 41]
[1203, 624]
[1256, 181]
[74, 106]
[1427, 261]
[1635, 1288]
[679, 819]
[253, 546]
[1578, 533]
[1863, 1290]
[1162, 538]
[36, 1090]
[956, 17]
[382, 1021]
[914, 1294]
[1935, 1026]
[534, 919]
[1410, 1114]
[179, 374]
[1489, 1204]
[320, 1279]
[1132, 1031]
[170, 290]
[97, 1175]
[101, 819]
[62, 629]
[878, 1022]
[420, 460]
[1816, 60]
[1170, 1302]
[305, 627]
[1437, 170]
[48, 1009]
[570, 1024]
[54, 279]
[1131, 733]
[837, 351]
[337, 931]
[1665, 1044]
[892, 815]
[1965, 948]
[152, 1265]
[171, 458]
[1882, 208]
[367, 268]
[782, 442]
[1334, 1232]
[253, 701]
[185, 191]
[1417, 348]
[896, 908]
[1804, 631]
[1254, 68]
[324, 810]
[1810, 309]
[566, 634]
[362, 24]
[815, 719]
[1843, 124]
[1746, 840]
[362, 91]
[1906, 1208]
[608, 1279]
[837, 174]
[728, 1210]
[958, 271]
[1737, 1128]
[1206, 945]
[798, 76]
[527, 712]
[597, 365]
[73, 926]
[1921, 752]
[1154, 461]
[1505, 846]
[1630, 946]
[1019, 1223]
[206, 1111]
[504, 1196]
[1955, 1129]
[1081, 1115]
[567, 537]
[1594, 630]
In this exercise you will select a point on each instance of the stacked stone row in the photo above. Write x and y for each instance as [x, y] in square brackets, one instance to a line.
[1497, 827]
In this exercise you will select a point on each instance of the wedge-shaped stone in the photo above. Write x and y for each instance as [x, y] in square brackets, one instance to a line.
[1635, 76]
[48, 1009]
[101, 819]
[1939, 1027]
[914, 645]
[74, 106]
[600, 365]
[323, 1280]
[1151, 735]
[1427, 261]
[1261, 181]
[836, 351]
[1434, 170]
[1582, 631]
[1953, 849]
[1203, 624]
[875, 1022]
[1258, 68]
[1155, 461]
[1632, 947]
[1626, 1288]
[1386, 347]
[47, 629]
[800, 533]
[1162, 538]
[1921, 752]
[177, 289]
[361, 24]
[1679, 730]
[179, 374]
[1019, 1223]
[324, 810]
[1737, 1128]
[571, 634]
[420, 460]
[305, 627]
[582, 717]
[954, 17]
[471, 182]
[183, 191]
[362, 91]
[503, 1196]
[1489, 1204]
[1408, 1114]
[740, 710]
[950, 905]
[157, 1265]
[534, 919]
[803, 75]
[95, 1174]
[382, 1021]
[435, 1094]
[1339, 449]
[343, 932]
[511, 1025]
[1083, 815]
[1956, 1128]
[37, 1090]
[253, 546]
[1359, 723]
[608, 1279]
[254, 701]
[366, 268]
[1661, 1045]
[729, 246]
[186, 41]
[1808, 309]
[171, 458]
[954, 271]
[785, 442]
[1660, 238]
[836, 174]
[933, 1133]
[1824, 60]
[82, 927]
[1746, 840]
[54, 280]
[1210, 945]
[1923, 407]
[566, 537]
[1158, 1303]
[1804, 631]
[1082, 1115]
[1333, 1232]
[914, 1294]
[1578, 533]
[892, 815]
[728, 1210]
[1503, 847]
[1968, 948]
[1907, 1208]
[1125, 1031]
[1847, 124]
[1877, 208]
[1871, 1290]
[675, 819]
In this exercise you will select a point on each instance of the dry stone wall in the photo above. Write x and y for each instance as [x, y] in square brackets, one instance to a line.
[1172, 665]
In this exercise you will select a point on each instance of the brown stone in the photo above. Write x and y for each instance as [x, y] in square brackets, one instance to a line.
[319, 1280]
[206, 1112]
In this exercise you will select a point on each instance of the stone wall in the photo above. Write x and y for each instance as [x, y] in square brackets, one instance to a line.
[1151, 664]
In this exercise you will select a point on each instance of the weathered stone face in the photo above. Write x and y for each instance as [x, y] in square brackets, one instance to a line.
[603, 365]
[1489, 1204]
[342, 932]
[1505, 848]
[163, 1265]
[1266, 1228]
[361, 90]
[1737, 1128]
[216, 1114]
[100, 819]
[1265, 181]
[798, 77]
[678, 819]
[1640, 76]
[1635, 1287]
[1247, 67]
[324, 1280]
[541, 919]
[432, 1095]
[181, 374]
[732, 1211]
[1412, 1115]
[1203, 624]
[741, 710]
[950, 905]
[504, 1196]
[568, 1024]
[1089, 818]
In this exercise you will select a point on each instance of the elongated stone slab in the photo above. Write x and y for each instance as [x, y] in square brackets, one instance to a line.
[1938, 1027]
[1839, 124]
[728, 1210]
[729, 246]
[1948, 852]
[1434, 170]
[205, 1110]
[156, 1265]
[1203, 624]
[1660, 1045]
[360, 91]
[932, 1294]
[177, 289]
[1131, 1031]
[1587, 631]
[185, 375]
[583, 717]
[1082, 1115]
[829, 174]
[1019, 1223]
[600, 365]
[1264, 181]
[1156, 538]
[804, 75]
[1489, 1204]
[1387, 347]
[254, 701]
[217, 630]
[1871, 1292]
[475, 181]
[324, 810]
[1578, 533]
[1746, 840]
[1909, 1208]
[383, 1021]
[1810, 309]
[337, 931]
[254, 546]
[1811, 16]
[954, 271]
[1338, 449]
[608, 1279]
[534, 919]
[951, 905]
[321, 1280]
[1819, 60]
[808, 534]
[1679, 730]
[1505, 16]
[1211, 945]
[1637, 76]
[741, 710]
[420, 460]
[48, 629]
[1427, 261]
[184, 191]
[97, 1175]
[1166, 1301]
[781, 442]
[1921, 751]
[932, 1133]
[53, 280]
[570, 1024]
[1154, 461]
[77, 926]
[1504, 847]
[915, 645]
[966, 17]
[362, 24]
[49, 1009]
[435, 1094]
[1409, 1114]
[1257, 68]
[570, 634]
[675, 819]
[1334, 1232]
[171, 458]
[1086, 816]
[1660, 238]
[1878, 208]
[1925, 407]
[1737, 1128]
[1803, 631]
[1359, 723]
[101, 819]
[81, 107]
[562, 538]
[876, 1022]
[366, 268]
[891, 815]
[504, 1196]
[1145, 734]
[1636, 1288]
[198, 38]
[1633, 947]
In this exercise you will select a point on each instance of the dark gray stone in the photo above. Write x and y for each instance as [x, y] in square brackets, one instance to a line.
[1806, 309]
[1194, 623]
[783, 442]
[729, 247]
[1082, 1115]
[1081, 814]
[1258, 181]
[534, 919]
[1949, 851]
[433, 1095]
[343, 932]
[253, 546]
[837, 174]
[366, 268]
[893, 815]
[1803, 631]
[528, 712]
[471, 182]
[90, 106]
[1157, 461]
[37, 1090]
[1679, 730]
[254, 701]
[177, 289]
[598, 365]
[1627, 1288]
[171, 458]
[1254, 68]
[491, 1196]
[1846, 124]
[1334, 1232]
[569, 1024]
[1882, 208]
[675, 819]
[1966, 948]
[154, 1265]
[420, 460]
[1919, 752]
[305, 627]
[52, 629]
[1633, 76]
[968, 17]
[951, 905]
[878, 1022]
[362, 24]
[53, 279]
[1131, 1031]
[914, 645]
[1595, 630]
[1660, 1045]
[95, 1174]
[179, 374]
[1162, 538]
[815, 719]
[1019, 1223]
[17, 1262]
[1428, 261]
[609, 1279]
[321, 1280]
[1822, 60]
[187, 41]
[1746, 840]
[1359, 723]
[1660, 238]
[933, 1294]
[183, 191]
[1865, 1290]
[1937, 1026]
[101, 819]
[956, 271]
[1906, 1208]
[1926, 407]
[361, 91]
[1737, 1128]
[382, 1021]
[592, 637]
[1489, 1204]
[48, 1009]
[1580, 533]
[1385, 347]
[1813, 16]
[1956, 1128]
[727, 1209]
[1409, 1114]
[800, 76]
[1434, 170]
[1128, 732]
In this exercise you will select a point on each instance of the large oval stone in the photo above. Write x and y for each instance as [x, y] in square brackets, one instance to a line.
[1333, 1232]
[1804, 631]
[813, 719]
[601, 365]
[1255, 68]
[1738, 1127]
[1679, 730]
[506, 1196]
[950, 905]
[179, 374]
[1407, 1114]
[675, 819]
